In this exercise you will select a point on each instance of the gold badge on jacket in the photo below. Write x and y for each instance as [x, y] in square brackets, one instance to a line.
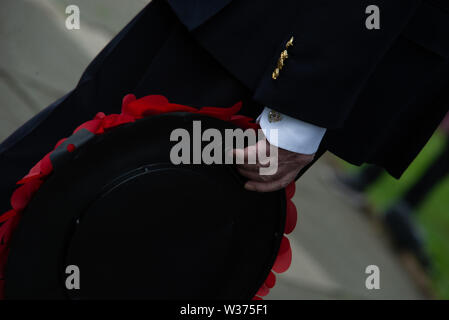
[274, 116]
[282, 58]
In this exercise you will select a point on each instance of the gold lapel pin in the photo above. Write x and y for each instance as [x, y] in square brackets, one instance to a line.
[290, 43]
[282, 58]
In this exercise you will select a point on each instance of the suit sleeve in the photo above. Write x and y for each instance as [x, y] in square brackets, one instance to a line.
[332, 57]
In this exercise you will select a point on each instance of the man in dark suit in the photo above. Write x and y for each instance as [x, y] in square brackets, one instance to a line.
[313, 70]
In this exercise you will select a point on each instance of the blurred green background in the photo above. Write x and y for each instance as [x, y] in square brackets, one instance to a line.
[432, 216]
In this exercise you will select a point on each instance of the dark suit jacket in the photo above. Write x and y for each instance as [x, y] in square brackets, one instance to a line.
[381, 93]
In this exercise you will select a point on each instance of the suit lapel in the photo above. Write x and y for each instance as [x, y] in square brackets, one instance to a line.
[194, 13]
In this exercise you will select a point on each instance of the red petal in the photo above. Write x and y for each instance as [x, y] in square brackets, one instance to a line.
[173, 107]
[290, 190]
[222, 112]
[99, 116]
[23, 194]
[46, 165]
[92, 125]
[263, 291]
[42, 169]
[154, 100]
[137, 108]
[285, 245]
[155, 110]
[115, 120]
[236, 107]
[257, 298]
[284, 258]
[59, 143]
[35, 173]
[127, 100]
[8, 214]
[8, 228]
[271, 280]
[292, 217]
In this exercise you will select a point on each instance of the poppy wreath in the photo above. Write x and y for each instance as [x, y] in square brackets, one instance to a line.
[134, 109]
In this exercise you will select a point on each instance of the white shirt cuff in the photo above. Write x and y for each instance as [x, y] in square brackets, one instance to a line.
[292, 134]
